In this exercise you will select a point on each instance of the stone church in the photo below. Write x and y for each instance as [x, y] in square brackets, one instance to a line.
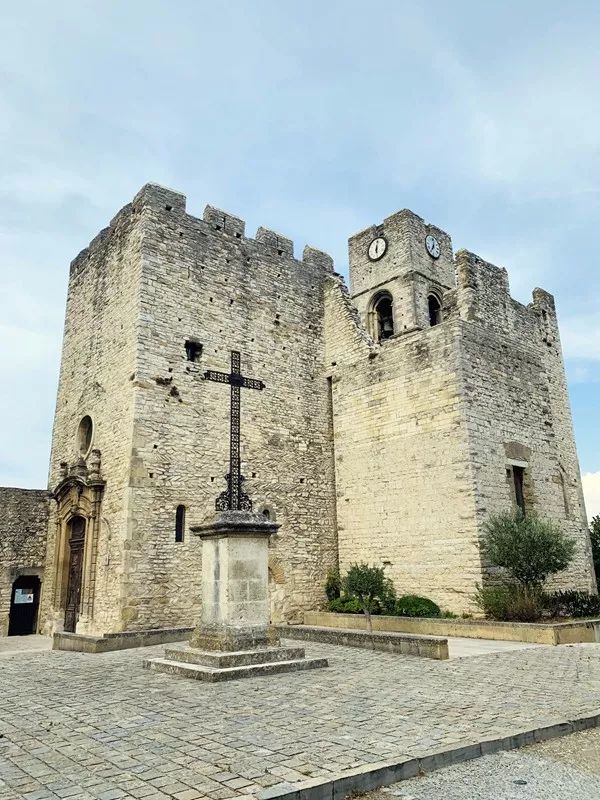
[396, 415]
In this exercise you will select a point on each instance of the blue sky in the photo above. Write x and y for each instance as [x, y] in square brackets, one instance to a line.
[313, 118]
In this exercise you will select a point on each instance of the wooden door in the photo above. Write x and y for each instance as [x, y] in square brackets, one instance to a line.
[76, 547]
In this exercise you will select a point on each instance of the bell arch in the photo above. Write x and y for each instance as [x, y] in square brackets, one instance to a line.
[381, 316]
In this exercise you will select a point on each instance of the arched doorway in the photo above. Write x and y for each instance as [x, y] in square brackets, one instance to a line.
[24, 602]
[76, 544]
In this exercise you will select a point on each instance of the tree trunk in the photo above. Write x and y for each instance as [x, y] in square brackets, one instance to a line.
[368, 618]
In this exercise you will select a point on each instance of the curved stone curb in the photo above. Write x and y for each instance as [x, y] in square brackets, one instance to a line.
[374, 776]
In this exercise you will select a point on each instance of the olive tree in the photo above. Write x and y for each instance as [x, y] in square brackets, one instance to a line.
[528, 547]
[365, 583]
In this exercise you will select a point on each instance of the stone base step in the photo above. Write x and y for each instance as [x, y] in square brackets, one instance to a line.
[241, 658]
[201, 672]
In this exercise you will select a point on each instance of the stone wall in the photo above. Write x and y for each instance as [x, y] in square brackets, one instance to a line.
[402, 447]
[23, 527]
[203, 280]
[96, 379]
[430, 423]
[404, 484]
[517, 406]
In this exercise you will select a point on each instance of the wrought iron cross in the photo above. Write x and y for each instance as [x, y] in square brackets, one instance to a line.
[233, 498]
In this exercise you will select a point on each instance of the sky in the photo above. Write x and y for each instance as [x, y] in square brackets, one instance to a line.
[315, 119]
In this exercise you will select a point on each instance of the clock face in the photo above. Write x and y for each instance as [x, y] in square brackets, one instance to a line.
[433, 246]
[377, 248]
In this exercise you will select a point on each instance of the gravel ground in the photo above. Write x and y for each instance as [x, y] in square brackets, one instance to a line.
[561, 769]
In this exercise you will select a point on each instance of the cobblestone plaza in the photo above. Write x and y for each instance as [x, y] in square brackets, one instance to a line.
[100, 727]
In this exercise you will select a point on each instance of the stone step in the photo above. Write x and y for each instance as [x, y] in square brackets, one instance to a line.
[209, 674]
[239, 658]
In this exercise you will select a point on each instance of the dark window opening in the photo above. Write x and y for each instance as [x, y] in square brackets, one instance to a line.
[193, 350]
[385, 317]
[435, 310]
[518, 478]
[266, 513]
[179, 523]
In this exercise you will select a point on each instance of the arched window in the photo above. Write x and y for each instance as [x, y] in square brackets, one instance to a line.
[383, 317]
[179, 523]
[435, 309]
[85, 433]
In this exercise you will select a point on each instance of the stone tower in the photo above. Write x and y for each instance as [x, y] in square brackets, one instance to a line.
[141, 439]
[449, 403]
[396, 416]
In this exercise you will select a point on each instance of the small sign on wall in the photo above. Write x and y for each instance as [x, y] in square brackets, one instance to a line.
[23, 596]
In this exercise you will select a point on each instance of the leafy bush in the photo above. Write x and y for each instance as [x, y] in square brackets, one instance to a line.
[387, 599]
[511, 602]
[573, 603]
[345, 605]
[528, 547]
[333, 584]
[366, 583]
[411, 605]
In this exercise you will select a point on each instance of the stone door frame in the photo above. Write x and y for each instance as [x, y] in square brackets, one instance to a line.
[76, 496]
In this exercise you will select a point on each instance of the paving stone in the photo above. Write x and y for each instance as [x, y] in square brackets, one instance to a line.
[79, 725]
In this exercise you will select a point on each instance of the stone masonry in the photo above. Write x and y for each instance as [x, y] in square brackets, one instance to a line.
[23, 527]
[362, 448]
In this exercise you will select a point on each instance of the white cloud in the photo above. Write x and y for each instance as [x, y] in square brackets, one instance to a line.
[591, 490]
[580, 336]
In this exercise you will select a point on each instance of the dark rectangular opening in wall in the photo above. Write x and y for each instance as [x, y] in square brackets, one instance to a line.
[518, 478]
[193, 350]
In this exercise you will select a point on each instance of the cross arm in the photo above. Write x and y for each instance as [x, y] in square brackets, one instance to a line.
[219, 377]
[252, 383]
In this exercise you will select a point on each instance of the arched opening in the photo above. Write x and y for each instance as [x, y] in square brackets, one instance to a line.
[179, 523]
[384, 317]
[76, 543]
[24, 602]
[435, 309]
[85, 433]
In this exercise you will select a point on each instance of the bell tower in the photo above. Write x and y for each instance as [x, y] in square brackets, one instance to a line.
[400, 271]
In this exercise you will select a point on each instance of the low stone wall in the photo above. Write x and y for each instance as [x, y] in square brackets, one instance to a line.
[425, 646]
[83, 643]
[536, 633]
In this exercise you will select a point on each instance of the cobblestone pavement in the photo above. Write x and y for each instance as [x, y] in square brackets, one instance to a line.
[100, 727]
[20, 644]
[459, 647]
[561, 769]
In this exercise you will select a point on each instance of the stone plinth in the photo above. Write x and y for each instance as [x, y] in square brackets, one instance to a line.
[233, 638]
[235, 582]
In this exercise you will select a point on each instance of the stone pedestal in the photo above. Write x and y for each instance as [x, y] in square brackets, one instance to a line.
[233, 638]
[235, 583]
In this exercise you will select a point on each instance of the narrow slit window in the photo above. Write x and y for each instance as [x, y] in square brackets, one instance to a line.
[518, 478]
[179, 523]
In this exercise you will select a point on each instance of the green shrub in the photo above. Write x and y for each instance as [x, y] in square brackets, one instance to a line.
[366, 584]
[345, 605]
[333, 584]
[528, 547]
[411, 605]
[573, 603]
[511, 603]
[387, 599]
